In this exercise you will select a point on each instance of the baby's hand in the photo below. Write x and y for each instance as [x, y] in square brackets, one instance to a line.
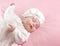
[10, 28]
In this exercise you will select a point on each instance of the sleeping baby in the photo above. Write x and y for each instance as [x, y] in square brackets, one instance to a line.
[15, 30]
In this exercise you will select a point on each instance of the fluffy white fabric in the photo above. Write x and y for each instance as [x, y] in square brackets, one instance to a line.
[20, 34]
[35, 12]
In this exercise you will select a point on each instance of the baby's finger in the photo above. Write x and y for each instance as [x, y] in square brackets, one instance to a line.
[11, 28]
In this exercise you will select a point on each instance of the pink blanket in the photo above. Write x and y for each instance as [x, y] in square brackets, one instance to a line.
[49, 32]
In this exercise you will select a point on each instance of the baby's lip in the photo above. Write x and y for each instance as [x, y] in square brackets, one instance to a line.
[31, 26]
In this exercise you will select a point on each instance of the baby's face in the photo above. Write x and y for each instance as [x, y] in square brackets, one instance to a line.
[30, 23]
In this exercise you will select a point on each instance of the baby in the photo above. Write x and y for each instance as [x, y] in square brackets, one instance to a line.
[15, 30]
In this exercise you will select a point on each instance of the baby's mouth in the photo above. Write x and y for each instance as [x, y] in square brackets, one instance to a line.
[31, 26]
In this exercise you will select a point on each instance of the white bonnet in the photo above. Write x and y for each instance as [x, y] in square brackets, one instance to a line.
[35, 12]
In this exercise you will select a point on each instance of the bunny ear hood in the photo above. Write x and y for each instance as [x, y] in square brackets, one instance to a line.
[35, 12]
[9, 13]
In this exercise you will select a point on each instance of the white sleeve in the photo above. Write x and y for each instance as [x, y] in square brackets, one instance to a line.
[19, 38]
[21, 35]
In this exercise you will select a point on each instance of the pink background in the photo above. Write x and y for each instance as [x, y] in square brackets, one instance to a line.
[49, 32]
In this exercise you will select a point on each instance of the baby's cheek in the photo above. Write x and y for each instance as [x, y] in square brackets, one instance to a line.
[37, 26]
